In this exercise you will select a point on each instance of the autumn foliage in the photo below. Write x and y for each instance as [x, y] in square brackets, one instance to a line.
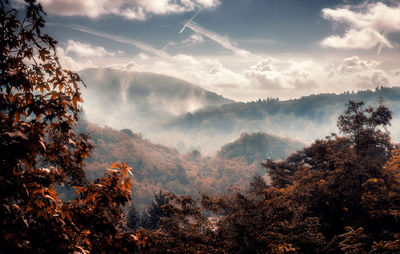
[339, 195]
[39, 105]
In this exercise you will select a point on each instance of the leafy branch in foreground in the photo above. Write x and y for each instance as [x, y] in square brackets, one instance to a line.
[39, 107]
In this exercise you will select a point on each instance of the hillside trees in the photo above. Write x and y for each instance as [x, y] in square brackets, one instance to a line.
[182, 228]
[339, 195]
[347, 182]
[39, 107]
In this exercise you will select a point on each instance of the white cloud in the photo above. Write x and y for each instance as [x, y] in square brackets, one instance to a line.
[362, 74]
[71, 63]
[366, 25]
[273, 74]
[356, 39]
[355, 64]
[298, 78]
[271, 77]
[81, 49]
[129, 9]
[249, 78]
[203, 71]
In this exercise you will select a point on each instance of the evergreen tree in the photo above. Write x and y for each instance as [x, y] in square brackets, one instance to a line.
[133, 220]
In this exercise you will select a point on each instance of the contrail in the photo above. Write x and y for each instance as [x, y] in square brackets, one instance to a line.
[381, 45]
[190, 20]
[121, 39]
[170, 43]
[223, 41]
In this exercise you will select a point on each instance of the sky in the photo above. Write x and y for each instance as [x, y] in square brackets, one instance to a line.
[241, 49]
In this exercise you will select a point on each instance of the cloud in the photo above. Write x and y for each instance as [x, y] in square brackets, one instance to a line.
[271, 77]
[272, 74]
[355, 64]
[303, 77]
[362, 74]
[203, 71]
[129, 9]
[357, 39]
[367, 25]
[87, 50]
[72, 63]
[276, 77]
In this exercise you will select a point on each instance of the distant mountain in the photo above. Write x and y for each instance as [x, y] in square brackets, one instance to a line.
[138, 100]
[256, 147]
[304, 119]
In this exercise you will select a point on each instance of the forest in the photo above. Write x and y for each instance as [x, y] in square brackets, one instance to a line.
[339, 194]
[160, 107]
[158, 167]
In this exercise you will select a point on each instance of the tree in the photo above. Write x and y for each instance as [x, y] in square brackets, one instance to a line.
[40, 100]
[133, 220]
[345, 182]
[182, 228]
[366, 129]
[153, 214]
[39, 107]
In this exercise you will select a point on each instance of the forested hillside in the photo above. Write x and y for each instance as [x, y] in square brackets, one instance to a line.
[256, 147]
[338, 195]
[305, 119]
[158, 167]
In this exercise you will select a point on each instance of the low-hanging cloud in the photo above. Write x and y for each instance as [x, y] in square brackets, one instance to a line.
[367, 25]
[274, 77]
[129, 9]
[304, 77]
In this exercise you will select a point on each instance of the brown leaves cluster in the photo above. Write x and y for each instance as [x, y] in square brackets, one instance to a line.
[39, 107]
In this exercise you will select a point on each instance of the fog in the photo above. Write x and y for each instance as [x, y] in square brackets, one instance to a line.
[140, 101]
[181, 115]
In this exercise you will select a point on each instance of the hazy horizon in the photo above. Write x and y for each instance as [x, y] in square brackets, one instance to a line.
[241, 49]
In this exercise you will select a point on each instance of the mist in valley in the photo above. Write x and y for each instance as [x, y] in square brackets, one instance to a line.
[181, 138]
[200, 126]
[183, 116]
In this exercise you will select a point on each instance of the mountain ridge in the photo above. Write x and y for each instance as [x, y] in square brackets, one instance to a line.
[315, 115]
[148, 97]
